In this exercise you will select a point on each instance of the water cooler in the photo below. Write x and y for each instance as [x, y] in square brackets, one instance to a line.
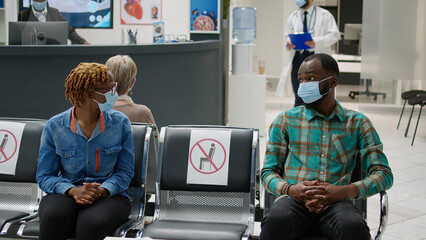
[246, 89]
[243, 33]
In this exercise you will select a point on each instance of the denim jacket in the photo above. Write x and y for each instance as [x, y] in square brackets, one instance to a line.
[67, 158]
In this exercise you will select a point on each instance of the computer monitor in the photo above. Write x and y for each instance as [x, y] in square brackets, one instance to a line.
[38, 33]
[352, 31]
[82, 13]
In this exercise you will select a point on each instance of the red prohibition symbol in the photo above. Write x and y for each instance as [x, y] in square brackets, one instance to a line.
[197, 146]
[3, 141]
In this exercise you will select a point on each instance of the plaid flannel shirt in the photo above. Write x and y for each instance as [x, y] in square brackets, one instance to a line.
[304, 145]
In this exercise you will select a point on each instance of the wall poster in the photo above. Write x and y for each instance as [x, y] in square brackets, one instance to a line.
[140, 11]
[205, 16]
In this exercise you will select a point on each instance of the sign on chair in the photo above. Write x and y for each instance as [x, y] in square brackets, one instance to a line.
[10, 141]
[208, 158]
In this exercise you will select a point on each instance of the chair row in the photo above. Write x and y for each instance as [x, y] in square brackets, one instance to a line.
[413, 97]
[204, 184]
[203, 178]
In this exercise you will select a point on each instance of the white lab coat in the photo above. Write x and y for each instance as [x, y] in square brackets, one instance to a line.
[325, 33]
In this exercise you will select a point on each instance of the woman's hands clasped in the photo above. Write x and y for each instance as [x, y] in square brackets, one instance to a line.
[88, 193]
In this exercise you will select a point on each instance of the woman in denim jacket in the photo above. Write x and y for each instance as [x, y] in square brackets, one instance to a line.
[86, 160]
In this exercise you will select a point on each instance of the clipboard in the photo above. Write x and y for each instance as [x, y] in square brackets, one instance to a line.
[299, 40]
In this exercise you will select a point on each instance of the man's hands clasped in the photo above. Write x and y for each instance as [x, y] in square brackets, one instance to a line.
[318, 195]
[88, 193]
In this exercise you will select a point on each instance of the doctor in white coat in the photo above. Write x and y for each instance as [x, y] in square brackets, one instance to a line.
[323, 28]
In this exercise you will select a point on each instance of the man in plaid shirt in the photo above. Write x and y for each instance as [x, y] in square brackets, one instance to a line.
[310, 156]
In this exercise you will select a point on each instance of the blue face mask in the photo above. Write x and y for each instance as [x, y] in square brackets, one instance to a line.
[310, 91]
[39, 6]
[110, 97]
[300, 3]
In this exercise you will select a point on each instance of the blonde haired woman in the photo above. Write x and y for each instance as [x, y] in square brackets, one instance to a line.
[124, 70]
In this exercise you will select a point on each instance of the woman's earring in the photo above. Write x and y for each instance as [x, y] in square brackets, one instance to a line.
[131, 92]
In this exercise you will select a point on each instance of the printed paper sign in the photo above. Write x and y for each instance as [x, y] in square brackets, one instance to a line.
[10, 142]
[208, 158]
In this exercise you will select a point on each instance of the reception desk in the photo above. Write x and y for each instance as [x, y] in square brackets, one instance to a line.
[181, 83]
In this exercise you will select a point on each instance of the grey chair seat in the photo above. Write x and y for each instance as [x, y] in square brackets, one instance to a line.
[31, 229]
[6, 216]
[177, 230]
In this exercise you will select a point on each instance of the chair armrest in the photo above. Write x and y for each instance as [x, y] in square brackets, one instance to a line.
[21, 228]
[9, 223]
[127, 227]
[249, 231]
[384, 213]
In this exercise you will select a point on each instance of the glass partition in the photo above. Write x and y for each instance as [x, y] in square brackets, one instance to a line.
[390, 49]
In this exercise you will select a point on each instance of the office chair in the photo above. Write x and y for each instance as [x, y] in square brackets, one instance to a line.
[367, 91]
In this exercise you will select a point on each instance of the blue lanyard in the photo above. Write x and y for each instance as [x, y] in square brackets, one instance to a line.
[310, 19]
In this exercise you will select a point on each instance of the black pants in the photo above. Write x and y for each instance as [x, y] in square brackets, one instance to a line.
[61, 217]
[297, 61]
[289, 219]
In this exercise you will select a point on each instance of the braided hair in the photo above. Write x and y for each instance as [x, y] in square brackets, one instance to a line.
[84, 78]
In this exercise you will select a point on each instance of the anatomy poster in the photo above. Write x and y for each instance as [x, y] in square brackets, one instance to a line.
[140, 11]
[205, 16]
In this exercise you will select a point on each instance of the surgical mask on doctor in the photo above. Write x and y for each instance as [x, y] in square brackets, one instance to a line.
[310, 91]
[111, 98]
[39, 6]
[300, 3]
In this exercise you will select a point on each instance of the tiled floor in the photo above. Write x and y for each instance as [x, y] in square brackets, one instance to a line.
[407, 197]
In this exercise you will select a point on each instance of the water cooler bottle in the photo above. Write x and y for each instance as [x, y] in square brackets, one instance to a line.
[243, 33]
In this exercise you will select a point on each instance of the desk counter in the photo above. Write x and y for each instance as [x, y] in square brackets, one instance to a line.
[181, 83]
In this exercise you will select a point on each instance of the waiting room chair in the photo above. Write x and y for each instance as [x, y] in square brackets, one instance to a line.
[203, 211]
[142, 137]
[406, 95]
[419, 99]
[361, 204]
[19, 193]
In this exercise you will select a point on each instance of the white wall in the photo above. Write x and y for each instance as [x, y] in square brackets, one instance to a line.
[175, 17]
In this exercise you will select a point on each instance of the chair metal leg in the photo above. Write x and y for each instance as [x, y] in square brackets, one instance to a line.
[418, 119]
[400, 117]
[384, 210]
[409, 121]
